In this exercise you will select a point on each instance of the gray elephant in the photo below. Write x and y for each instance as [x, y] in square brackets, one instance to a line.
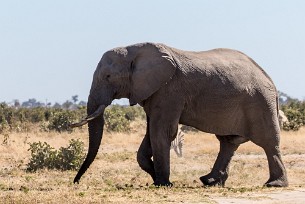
[220, 91]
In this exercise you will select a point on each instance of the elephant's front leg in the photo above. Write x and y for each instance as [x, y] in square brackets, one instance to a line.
[161, 134]
[145, 154]
[144, 157]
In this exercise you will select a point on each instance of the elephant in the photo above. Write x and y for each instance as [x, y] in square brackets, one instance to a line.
[219, 91]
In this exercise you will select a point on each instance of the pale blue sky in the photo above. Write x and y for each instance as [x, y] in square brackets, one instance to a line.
[50, 49]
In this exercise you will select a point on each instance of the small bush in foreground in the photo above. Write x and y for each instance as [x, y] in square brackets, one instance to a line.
[66, 158]
[71, 157]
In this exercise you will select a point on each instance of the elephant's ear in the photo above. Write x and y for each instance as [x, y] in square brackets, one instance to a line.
[151, 68]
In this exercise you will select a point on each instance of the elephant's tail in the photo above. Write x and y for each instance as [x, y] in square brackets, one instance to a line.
[277, 105]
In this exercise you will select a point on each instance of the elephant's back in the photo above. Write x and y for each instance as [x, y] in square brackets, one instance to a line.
[224, 67]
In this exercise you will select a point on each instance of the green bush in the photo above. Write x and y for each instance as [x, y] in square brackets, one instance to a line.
[295, 118]
[133, 112]
[19, 119]
[42, 156]
[115, 120]
[61, 120]
[36, 115]
[4, 125]
[66, 158]
[118, 118]
[71, 157]
[295, 113]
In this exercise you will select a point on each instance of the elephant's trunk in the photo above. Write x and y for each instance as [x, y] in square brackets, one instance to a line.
[95, 127]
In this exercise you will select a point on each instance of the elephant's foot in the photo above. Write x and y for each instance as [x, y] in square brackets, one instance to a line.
[282, 182]
[163, 184]
[214, 180]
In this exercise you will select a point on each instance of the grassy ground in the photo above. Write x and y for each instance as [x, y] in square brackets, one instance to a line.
[115, 177]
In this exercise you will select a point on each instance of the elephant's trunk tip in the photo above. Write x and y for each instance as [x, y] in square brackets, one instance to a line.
[76, 180]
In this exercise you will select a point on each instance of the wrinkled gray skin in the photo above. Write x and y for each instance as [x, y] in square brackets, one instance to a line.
[220, 91]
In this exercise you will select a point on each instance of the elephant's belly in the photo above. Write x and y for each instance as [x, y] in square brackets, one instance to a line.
[220, 121]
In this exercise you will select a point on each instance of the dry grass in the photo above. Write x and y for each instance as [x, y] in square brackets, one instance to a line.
[115, 176]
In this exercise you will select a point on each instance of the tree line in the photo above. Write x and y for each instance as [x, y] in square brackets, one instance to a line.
[72, 103]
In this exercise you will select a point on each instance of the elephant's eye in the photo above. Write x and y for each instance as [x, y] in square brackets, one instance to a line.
[106, 77]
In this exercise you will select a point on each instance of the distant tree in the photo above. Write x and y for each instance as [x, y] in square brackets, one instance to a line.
[16, 103]
[40, 104]
[56, 105]
[32, 103]
[67, 104]
[285, 98]
[48, 104]
[75, 99]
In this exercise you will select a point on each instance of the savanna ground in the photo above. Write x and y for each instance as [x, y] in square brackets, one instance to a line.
[115, 177]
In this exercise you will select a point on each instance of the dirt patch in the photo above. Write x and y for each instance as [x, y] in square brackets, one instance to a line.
[296, 196]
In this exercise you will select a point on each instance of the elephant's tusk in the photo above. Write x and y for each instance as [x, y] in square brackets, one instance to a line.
[97, 113]
[81, 123]
[94, 115]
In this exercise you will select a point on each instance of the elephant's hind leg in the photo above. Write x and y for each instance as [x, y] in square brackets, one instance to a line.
[277, 171]
[278, 176]
[219, 173]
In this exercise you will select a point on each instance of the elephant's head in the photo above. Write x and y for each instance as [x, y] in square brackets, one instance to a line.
[133, 72]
